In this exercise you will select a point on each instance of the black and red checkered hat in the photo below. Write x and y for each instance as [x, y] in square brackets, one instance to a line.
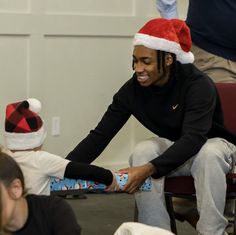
[23, 126]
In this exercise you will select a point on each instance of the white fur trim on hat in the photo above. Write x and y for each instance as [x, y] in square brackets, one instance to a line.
[24, 141]
[163, 45]
[34, 105]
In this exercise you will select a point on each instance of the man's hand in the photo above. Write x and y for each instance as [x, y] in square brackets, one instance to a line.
[137, 175]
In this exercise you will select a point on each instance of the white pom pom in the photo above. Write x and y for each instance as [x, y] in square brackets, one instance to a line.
[185, 57]
[34, 105]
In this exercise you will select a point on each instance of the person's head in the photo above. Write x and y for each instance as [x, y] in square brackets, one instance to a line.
[157, 46]
[24, 128]
[12, 188]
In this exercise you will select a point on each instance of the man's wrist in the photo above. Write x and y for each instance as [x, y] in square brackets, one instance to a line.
[151, 168]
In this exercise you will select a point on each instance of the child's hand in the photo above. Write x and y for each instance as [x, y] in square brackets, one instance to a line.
[113, 187]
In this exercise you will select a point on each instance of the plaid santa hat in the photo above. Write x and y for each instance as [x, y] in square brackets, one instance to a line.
[170, 35]
[23, 126]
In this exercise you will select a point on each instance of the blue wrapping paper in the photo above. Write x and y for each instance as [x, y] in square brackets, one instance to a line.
[74, 184]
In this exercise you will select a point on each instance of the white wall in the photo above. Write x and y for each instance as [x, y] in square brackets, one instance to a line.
[73, 55]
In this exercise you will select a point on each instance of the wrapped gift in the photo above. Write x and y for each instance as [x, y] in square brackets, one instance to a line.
[123, 178]
[73, 184]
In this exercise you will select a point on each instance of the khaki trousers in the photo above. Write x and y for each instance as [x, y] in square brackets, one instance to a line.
[216, 67]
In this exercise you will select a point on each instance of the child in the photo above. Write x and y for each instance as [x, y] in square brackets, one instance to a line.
[24, 136]
[31, 214]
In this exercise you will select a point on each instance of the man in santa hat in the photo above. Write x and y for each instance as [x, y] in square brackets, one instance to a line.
[179, 104]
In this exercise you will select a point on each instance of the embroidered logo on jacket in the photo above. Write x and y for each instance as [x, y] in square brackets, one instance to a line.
[174, 106]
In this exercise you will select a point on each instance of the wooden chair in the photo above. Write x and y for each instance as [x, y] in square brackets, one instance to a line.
[183, 186]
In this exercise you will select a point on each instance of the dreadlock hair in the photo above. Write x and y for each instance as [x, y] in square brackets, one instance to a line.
[161, 60]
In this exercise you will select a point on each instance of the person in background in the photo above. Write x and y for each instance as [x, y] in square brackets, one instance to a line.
[180, 105]
[214, 39]
[31, 214]
[24, 137]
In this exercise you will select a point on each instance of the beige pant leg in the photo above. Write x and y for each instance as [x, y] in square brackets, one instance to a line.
[216, 67]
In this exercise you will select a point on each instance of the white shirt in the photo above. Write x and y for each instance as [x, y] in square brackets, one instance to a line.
[38, 167]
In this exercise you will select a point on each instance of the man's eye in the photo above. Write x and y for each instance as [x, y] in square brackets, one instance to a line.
[147, 62]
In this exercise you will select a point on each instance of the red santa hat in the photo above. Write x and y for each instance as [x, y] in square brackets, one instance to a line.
[170, 35]
[23, 126]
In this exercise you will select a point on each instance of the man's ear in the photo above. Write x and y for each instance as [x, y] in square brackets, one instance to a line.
[168, 59]
[15, 189]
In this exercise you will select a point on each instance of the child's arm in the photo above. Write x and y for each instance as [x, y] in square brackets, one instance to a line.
[85, 171]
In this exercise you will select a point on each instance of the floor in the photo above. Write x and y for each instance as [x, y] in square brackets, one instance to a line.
[102, 214]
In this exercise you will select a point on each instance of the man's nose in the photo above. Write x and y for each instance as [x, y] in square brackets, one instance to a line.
[138, 67]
